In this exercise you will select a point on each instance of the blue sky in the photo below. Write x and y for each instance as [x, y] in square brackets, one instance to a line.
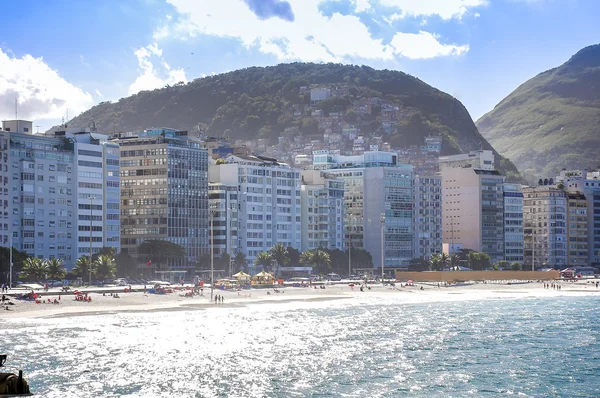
[72, 54]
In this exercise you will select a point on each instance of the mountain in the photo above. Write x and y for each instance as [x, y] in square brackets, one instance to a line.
[261, 102]
[552, 121]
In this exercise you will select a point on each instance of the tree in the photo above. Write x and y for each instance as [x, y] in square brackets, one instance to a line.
[126, 265]
[105, 251]
[55, 269]
[444, 260]
[223, 262]
[82, 267]
[160, 251]
[34, 269]
[503, 264]
[280, 255]
[105, 267]
[435, 262]
[322, 261]
[265, 260]
[240, 262]
[293, 255]
[18, 259]
[516, 266]
[306, 258]
[418, 264]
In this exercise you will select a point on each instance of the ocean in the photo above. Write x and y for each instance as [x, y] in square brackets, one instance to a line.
[376, 347]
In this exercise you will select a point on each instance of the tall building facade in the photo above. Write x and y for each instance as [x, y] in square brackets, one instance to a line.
[544, 227]
[61, 192]
[164, 192]
[473, 204]
[427, 215]
[513, 223]
[268, 201]
[577, 229]
[322, 201]
[224, 207]
[378, 195]
[587, 183]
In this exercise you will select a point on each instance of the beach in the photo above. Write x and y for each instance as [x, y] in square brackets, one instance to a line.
[137, 301]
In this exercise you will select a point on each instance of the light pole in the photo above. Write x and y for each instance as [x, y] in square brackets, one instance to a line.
[382, 244]
[91, 197]
[349, 245]
[10, 256]
[212, 252]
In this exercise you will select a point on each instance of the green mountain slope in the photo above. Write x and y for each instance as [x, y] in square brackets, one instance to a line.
[261, 102]
[551, 121]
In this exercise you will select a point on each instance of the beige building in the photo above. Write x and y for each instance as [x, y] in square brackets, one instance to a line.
[577, 229]
[472, 205]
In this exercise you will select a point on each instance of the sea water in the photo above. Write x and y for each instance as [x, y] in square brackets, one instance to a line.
[376, 347]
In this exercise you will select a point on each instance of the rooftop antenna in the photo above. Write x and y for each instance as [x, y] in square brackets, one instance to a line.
[38, 128]
[16, 109]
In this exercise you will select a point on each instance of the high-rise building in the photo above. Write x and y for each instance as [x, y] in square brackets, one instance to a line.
[378, 195]
[513, 223]
[544, 227]
[224, 205]
[428, 215]
[587, 183]
[60, 197]
[322, 201]
[268, 201]
[577, 229]
[164, 193]
[473, 204]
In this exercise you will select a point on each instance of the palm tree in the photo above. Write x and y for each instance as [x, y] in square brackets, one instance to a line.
[55, 268]
[444, 259]
[306, 258]
[240, 261]
[264, 259]
[280, 255]
[34, 268]
[82, 267]
[322, 261]
[105, 267]
[435, 262]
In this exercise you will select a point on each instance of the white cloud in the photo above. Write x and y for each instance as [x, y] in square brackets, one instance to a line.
[311, 36]
[423, 45]
[151, 77]
[361, 5]
[41, 91]
[445, 9]
[99, 94]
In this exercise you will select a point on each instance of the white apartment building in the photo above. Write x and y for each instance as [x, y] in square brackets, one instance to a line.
[268, 201]
[587, 183]
[473, 204]
[513, 223]
[544, 227]
[60, 194]
[378, 192]
[322, 201]
[482, 160]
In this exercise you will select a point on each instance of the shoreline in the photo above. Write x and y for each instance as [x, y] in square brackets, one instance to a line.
[139, 302]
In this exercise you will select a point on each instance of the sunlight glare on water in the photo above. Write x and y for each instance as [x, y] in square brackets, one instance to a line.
[379, 348]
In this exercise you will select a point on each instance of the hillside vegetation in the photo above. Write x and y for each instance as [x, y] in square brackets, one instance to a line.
[551, 121]
[261, 102]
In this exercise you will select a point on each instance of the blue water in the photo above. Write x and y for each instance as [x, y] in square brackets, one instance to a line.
[379, 348]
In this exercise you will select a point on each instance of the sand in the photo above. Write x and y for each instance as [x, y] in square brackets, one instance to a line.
[139, 301]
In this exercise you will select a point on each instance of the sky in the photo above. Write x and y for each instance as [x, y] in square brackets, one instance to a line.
[59, 58]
